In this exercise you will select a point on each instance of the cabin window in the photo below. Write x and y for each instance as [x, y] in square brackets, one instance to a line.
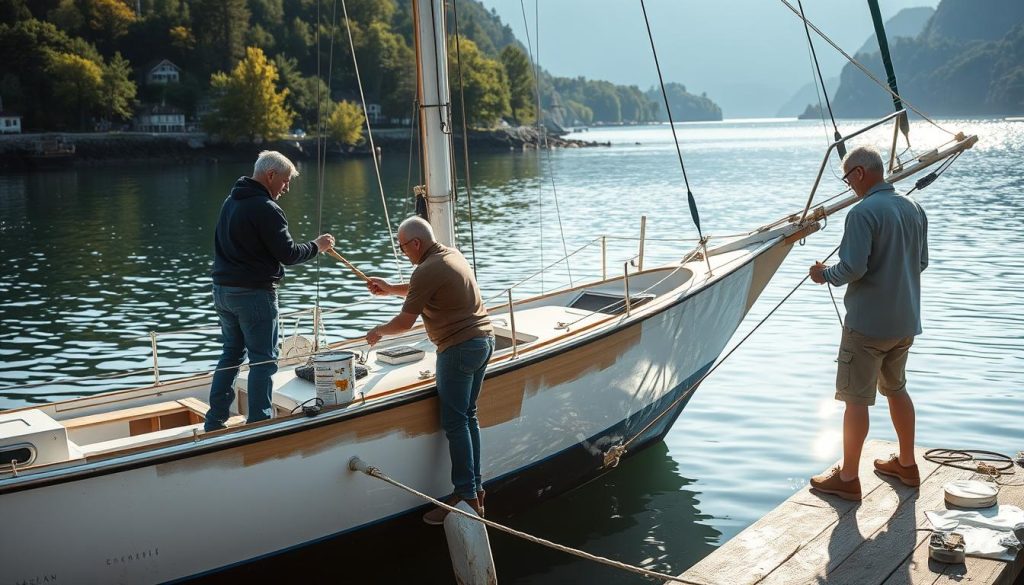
[22, 454]
[608, 303]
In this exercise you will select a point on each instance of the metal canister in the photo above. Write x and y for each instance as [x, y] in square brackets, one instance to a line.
[334, 376]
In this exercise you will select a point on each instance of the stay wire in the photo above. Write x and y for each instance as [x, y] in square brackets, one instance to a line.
[369, 136]
[465, 136]
[542, 130]
[540, 184]
[671, 122]
[841, 147]
[864, 69]
[721, 361]
[319, 147]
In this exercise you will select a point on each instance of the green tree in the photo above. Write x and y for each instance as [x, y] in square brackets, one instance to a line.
[484, 85]
[388, 70]
[522, 90]
[303, 93]
[345, 125]
[118, 89]
[219, 27]
[78, 82]
[248, 104]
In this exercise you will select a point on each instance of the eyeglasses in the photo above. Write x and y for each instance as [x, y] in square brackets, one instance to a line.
[846, 177]
[402, 245]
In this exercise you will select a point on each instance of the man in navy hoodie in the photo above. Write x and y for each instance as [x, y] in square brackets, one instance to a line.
[251, 247]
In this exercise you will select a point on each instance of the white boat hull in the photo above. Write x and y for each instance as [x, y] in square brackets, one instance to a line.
[546, 423]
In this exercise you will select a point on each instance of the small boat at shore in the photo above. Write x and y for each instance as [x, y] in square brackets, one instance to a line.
[50, 152]
[124, 486]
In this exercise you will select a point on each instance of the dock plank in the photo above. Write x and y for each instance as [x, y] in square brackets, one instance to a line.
[816, 538]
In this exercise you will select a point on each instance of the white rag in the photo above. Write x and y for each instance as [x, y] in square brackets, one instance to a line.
[987, 533]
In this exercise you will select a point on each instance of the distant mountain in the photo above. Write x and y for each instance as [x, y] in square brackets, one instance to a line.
[969, 60]
[909, 22]
[804, 97]
[974, 20]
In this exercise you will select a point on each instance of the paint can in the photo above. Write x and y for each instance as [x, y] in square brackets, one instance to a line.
[334, 376]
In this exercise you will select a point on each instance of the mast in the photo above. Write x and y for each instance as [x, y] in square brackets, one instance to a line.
[883, 48]
[429, 30]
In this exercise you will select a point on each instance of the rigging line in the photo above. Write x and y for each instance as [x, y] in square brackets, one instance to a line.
[841, 147]
[547, 147]
[540, 192]
[865, 70]
[412, 138]
[694, 215]
[817, 95]
[319, 147]
[722, 360]
[465, 136]
[437, 71]
[452, 160]
[369, 135]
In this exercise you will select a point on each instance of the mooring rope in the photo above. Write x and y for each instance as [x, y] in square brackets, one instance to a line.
[356, 464]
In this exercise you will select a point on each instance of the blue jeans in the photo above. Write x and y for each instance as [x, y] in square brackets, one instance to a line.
[248, 324]
[460, 374]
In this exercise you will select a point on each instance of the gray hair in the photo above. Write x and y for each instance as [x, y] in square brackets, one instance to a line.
[271, 160]
[864, 156]
[417, 227]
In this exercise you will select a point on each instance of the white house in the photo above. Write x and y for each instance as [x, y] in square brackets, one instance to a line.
[9, 123]
[160, 119]
[373, 113]
[163, 72]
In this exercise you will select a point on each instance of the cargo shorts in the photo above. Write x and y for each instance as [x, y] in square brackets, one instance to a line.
[866, 363]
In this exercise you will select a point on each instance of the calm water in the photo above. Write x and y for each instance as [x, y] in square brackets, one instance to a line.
[95, 258]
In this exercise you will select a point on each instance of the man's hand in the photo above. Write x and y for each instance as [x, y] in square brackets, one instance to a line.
[373, 336]
[817, 272]
[378, 286]
[324, 242]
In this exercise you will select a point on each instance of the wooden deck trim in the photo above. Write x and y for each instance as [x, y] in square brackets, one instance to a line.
[125, 415]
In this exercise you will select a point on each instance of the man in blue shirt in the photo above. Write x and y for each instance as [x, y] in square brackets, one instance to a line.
[252, 245]
[883, 252]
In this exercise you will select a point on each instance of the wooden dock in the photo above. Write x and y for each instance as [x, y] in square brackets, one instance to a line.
[817, 538]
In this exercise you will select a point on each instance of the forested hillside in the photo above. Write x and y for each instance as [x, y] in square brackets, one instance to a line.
[969, 60]
[88, 64]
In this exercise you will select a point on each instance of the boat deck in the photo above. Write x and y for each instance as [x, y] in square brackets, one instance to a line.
[816, 538]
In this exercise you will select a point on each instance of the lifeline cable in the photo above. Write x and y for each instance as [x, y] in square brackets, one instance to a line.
[694, 214]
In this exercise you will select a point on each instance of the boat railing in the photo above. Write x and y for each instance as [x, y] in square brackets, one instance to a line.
[833, 146]
[317, 313]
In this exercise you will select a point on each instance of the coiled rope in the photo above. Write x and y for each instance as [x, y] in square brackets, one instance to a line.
[356, 464]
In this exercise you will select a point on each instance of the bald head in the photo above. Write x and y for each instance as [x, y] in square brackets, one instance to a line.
[416, 227]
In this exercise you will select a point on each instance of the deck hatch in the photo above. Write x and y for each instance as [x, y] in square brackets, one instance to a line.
[608, 303]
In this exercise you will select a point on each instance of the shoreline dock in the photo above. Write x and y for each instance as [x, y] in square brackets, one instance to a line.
[818, 538]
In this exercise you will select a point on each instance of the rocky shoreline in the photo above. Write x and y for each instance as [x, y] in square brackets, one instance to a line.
[27, 151]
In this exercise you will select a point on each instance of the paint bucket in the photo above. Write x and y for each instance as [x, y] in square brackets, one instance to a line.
[334, 376]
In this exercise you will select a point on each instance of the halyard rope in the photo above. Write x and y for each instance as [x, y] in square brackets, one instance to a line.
[369, 136]
[356, 464]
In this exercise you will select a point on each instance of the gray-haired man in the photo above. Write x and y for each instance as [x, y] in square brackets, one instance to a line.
[251, 247]
[883, 252]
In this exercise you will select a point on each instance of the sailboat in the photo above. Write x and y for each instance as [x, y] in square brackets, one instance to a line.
[124, 486]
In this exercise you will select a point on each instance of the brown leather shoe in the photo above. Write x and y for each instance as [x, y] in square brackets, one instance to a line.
[909, 475]
[830, 483]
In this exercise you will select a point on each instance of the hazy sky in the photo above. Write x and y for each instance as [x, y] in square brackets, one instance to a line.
[750, 56]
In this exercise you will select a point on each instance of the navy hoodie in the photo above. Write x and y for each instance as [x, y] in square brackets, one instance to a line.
[252, 243]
